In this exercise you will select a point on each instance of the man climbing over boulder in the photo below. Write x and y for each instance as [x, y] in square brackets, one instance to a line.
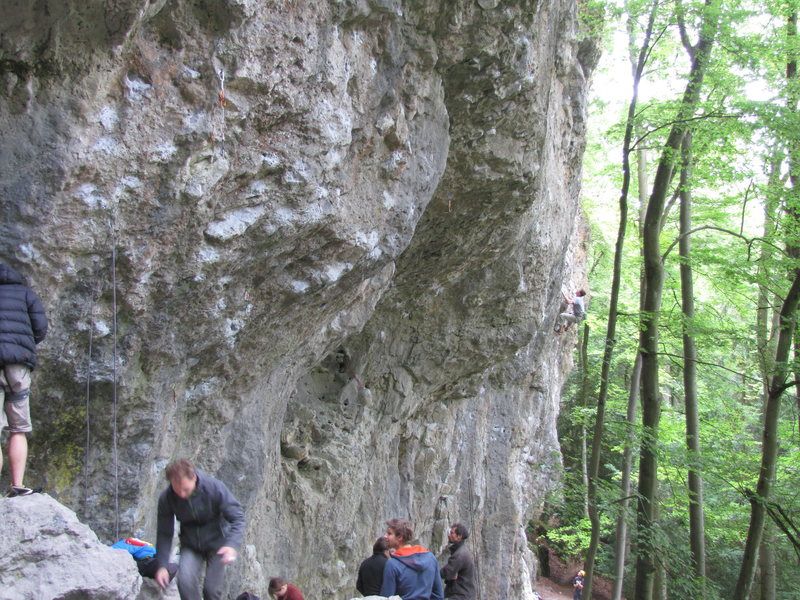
[212, 527]
[23, 325]
[577, 313]
[412, 572]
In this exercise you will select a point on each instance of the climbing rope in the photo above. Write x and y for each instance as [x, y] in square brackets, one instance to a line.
[222, 102]
[472, 527]
[115, 453]
[88, 392]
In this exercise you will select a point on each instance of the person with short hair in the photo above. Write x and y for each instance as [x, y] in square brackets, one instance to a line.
[459, 572]
[23, 325]
[212, 528]
[280, 589]
[370, 573]
[577, 314]
[412, 572]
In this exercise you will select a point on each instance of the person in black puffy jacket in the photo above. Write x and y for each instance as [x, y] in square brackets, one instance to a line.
[23, 325]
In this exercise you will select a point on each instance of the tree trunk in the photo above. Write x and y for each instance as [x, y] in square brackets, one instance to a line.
[769, 443]
[611, 327]
[781, 368]
[767, 313]
[651, 305]
[766, 562]
[696, 514]
[621, 541]
[584, 402]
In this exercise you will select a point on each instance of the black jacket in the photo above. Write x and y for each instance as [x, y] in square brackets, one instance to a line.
[23, 323]
[370, 575]
[210, 518]
[459, 573]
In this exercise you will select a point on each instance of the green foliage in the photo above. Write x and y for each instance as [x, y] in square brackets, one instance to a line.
[592, 17]
[570, 540]
[740, 132]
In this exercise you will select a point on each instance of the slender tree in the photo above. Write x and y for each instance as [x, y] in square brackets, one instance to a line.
[695, 479]
[621, 539]
[700, 54]
[611, 326]
[781, 368]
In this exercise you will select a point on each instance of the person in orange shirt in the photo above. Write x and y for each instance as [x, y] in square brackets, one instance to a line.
[412, 572]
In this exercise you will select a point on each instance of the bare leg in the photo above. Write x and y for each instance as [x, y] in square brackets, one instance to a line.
[17, 456]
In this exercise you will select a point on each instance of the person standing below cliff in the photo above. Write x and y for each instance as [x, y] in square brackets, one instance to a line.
[459, 572]
[23, 324]
[370, 573]
[212, 527]
[577, 585]
[577, 314]
[412, 572]
[280, 589]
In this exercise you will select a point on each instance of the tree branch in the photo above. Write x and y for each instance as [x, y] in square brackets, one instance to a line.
[750, 241]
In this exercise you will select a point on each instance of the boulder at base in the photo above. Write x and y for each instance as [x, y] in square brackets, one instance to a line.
[49, 553]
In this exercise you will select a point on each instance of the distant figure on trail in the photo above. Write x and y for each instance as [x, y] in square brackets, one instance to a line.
[23, 324]
[370, 573]
[412, 572]
[280, 589]
[212, 527]
[577, 585]
[459, 572]
[577, 314]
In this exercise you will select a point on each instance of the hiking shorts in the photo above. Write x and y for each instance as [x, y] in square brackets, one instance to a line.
[15, 390]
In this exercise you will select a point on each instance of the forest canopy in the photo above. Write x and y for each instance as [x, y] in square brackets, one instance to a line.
[679, 427]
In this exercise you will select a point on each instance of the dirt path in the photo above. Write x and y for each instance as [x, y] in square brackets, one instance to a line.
[550, 590]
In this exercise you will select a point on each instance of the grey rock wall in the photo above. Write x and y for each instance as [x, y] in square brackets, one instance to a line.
[48, 553]
[336, 292]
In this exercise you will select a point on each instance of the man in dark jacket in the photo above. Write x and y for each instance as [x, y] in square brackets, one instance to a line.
[370, 573]
[459, 572]
[212, 527]
[23, 324]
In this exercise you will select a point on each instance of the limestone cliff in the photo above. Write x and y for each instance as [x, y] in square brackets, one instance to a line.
[334, 289]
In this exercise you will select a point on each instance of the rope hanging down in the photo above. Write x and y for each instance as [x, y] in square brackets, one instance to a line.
[88, 391]
[472, 527]
[115, 452]
[222, 103]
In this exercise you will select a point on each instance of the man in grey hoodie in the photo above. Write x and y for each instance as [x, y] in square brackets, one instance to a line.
[212, 528]
[23, 325]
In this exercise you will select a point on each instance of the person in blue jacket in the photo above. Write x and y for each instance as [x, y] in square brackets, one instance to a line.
[212, 528]
[412, 572]
[23, 325]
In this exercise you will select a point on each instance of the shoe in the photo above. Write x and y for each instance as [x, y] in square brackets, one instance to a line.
[18, 490]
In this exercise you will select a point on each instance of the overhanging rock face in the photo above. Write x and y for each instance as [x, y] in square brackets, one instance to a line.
[335, 290]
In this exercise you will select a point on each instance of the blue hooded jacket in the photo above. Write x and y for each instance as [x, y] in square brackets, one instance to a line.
[413, 574]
